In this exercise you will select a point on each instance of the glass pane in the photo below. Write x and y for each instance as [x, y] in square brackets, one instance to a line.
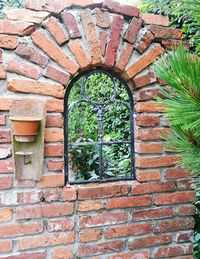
[117, 161]
[83, 162]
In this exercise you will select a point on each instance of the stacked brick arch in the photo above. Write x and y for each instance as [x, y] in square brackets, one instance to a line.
[42, 47]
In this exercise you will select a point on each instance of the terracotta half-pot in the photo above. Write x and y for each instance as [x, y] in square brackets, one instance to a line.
[25, 128]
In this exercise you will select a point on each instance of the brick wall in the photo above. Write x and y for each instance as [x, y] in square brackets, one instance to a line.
[42, 47]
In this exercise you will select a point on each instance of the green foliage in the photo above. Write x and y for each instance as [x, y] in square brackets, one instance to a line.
[14, 3]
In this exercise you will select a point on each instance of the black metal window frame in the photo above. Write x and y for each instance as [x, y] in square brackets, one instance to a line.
[114, 76]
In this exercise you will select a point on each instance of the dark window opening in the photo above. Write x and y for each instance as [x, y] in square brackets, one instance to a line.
[98, 128]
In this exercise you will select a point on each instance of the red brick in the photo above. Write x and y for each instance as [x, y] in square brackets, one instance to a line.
[147, 120]
[104, 218]
[164, 32]
[6, 182]
[29, 197]
[8, 41]
[54, 105]
[148, 148]
[129, 202]
[16, 27]
[131, 255]
[144, 61]
[102, 18]
[112, 46]
[5, 103]
[176, 173]
[55, 165]
[103, 42]
[173, 225]
[171, 44]
[133, 29]
[117, 7]
[55, 29]
[45, 240]
[128, 230]
[32, 255]
[148, 175]
[185, 210]
[124, 56]
[57, 75]
[149, 107]
[155, 19]
[5, 136]
[175, 250]
[25, 15]
[62, 252]
[3, 74]
[91, 36]
[55, 225]
[23, 68]
[54, 120]
[65, 194]
[88, 235]
[145, 188]
[5, 246]
[101, 248]
[6, 166]
[28, 212]
[89, 206]
[184, 236]
[53, 180]
[31, 54]
[144, 80]
[25, 183]
[2, 119]
[186, 184]
[145, 39]
[152, 214]
[174, 198]
[161, 161]
[103, 190]
[36, 87]
[54, 52]
[148, 94]
[6, 214]
[148, 241]
[71, 24]
[11, 230]
[151, 134]
[53, 135]
[55, 150]
[79, 53]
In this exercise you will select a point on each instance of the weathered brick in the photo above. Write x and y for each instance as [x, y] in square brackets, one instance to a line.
[124, 56]
[54, 52]
[53, 135]
[8, 41]
[62, 252]
[16, 27]
[174, 198]
[55, 165]
[152, 213]
[88, 235]
[65, 194]
[25, 183]
[103, 191]
[129, 202]
[45, 240]
[149, 107]
[23, 68]
[186, 184]
[71, 24]
[184, 236]
[144, 61]
[173, 44]
[54, 120]
[185, 210]
[2, 122]
[128, 230]
[5, 136]
[147, 120]
[124, 9]
[145, 39]
[55, 225]
[55, 29]
[162, 161]
[6, 246]
[55, 150]
[91, 36]
[144, 80]
[5, 152]
[175, 250]
[49, 181]
[151, 134]
[148, 175]
[10, 230]
[30, 212]
[25, 15]
[113, 42]
[6, 182]
[57, 75]
[155, 19]
[89, 205]
[145, 188]
[143, 254]
[36, 87]
[102, 18]
[30, 255]
[148, 94]
[31, 54]
[6, 214]
[101, 248]
[148, 148]
[133, 29]
[3, 74]
[103, 42]
[29, 197]
[79, 53]
[176, 173]
[104, 218]
[165, 32]
[54, 105]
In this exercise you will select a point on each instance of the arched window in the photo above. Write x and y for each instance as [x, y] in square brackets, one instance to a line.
[98, 128]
